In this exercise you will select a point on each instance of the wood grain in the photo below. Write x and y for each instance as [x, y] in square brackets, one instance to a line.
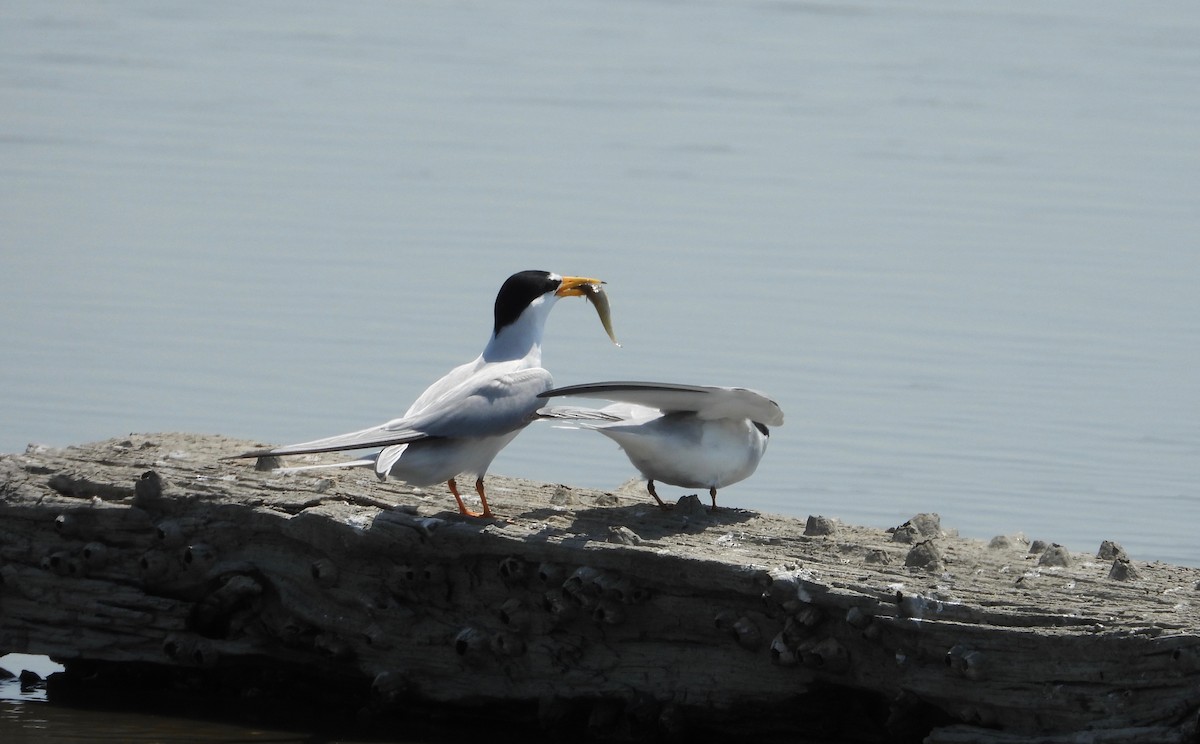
[594, 609]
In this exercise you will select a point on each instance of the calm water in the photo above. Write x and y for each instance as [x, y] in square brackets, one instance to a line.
[956, 242]
[958, 246]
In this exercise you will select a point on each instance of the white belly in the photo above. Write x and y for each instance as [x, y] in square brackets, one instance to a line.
[438, 460]
[683, 450]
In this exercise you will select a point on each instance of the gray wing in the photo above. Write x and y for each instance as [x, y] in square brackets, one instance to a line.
[484, 405]
[377, 436]
[576, 413]
[706, 401]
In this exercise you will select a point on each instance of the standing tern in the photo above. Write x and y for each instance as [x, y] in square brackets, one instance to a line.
[462, 421]
[691, 436]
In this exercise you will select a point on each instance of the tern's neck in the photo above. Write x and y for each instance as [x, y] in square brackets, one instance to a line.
[501, 349]
[521, 339]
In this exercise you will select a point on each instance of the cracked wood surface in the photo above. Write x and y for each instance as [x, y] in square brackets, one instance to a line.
[151, 549]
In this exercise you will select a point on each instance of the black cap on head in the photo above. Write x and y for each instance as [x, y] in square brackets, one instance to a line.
[518, 291]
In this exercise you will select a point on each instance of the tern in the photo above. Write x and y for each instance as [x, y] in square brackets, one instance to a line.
[693, 436]
[462, 421]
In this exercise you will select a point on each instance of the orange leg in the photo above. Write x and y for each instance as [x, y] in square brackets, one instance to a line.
[654, 493]
[487, 512]
[462, 508]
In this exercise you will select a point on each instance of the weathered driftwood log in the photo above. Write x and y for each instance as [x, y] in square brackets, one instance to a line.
[579, 609]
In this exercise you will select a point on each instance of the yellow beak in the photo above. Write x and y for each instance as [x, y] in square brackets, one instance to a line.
[574, 286]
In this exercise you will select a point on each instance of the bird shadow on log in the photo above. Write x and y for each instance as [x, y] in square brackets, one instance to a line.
[645, 522]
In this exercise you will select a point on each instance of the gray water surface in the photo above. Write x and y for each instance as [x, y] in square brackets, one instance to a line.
[956, 242]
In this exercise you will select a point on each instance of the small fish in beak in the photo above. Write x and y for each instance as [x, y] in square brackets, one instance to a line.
[595, 295]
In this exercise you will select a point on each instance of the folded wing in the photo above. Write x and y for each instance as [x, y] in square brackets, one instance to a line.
[480, 407]
[384, 435]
